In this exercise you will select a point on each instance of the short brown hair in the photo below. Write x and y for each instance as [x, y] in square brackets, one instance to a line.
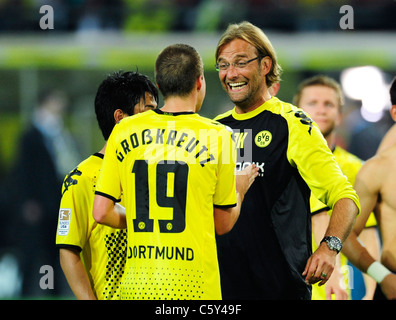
[177, 68]
[257, 38]
[320, 80]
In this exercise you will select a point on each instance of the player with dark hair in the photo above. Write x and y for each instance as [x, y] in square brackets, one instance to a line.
[124, 91]
[176, 171]
[93, 256]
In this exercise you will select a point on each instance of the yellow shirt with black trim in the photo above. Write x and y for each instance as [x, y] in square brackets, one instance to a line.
[265, 253]
[350, 165]
[102, 249]
[172, 168]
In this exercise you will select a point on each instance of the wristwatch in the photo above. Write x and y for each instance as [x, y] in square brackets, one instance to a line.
[334, 243]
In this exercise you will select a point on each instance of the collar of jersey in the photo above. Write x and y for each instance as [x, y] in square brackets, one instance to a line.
[99, 155]
[173, 113]
[248, 115]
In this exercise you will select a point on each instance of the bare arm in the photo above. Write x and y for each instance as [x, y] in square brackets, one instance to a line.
[225, 218]
[370, 239]
[109, 213]
[388, 140]
[367, 188]
[361, 258]
[367, 185]
[356, 253]
[342, 219]
[75, 273]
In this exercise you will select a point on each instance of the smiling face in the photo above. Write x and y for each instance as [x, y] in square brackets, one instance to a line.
[245, 86]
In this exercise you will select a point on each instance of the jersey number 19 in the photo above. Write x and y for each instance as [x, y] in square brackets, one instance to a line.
[177, 200]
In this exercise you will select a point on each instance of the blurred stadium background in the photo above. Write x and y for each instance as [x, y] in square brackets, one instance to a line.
[92, 38]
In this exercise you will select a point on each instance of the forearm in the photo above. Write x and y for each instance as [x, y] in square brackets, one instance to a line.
[361, 258]
[342, 219]
[225, 219]
[356, 253]
[76, 275]
[370, 239]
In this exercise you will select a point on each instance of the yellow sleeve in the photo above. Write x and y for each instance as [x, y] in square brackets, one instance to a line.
[76, 204]
[316, 205]
[225, 192]
[349, 163]
[309, 153]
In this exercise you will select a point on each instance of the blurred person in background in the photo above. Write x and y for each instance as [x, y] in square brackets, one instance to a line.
[93, 256]
[4, 216]
[322, 99]
[46, 151]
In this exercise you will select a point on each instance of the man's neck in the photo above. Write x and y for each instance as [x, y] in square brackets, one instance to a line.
[330, 139]
[180, 104]
[103, 150]
[248, 108]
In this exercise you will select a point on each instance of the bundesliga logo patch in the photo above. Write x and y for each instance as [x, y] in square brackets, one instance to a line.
[64, 222]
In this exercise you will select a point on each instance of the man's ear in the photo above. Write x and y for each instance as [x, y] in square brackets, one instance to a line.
[266, 64]
[393, 112]
[199, 82]
[118, 115]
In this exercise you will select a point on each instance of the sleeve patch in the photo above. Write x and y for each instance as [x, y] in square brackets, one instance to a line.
[64, 221]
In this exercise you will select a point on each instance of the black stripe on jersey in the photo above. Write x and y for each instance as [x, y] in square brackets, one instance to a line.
[99, 155]
[173, 113]
[68, 246]
[225, 206]
[320, 210]
[107, 196]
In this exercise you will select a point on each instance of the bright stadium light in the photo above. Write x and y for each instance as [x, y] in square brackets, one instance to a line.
[368, 85]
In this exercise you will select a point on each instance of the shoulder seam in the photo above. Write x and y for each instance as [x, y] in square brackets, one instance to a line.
[223, 115]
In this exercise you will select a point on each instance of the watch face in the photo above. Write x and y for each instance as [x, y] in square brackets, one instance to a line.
[334, 243]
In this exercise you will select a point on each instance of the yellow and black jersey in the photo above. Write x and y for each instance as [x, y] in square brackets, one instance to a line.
[265, 253]
[172, 169]
[103, 249]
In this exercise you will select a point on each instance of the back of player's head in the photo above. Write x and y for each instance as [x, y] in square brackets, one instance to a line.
[120, 90]
[177, 69]
[320, 80]
[258, 39]
[392, 92]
